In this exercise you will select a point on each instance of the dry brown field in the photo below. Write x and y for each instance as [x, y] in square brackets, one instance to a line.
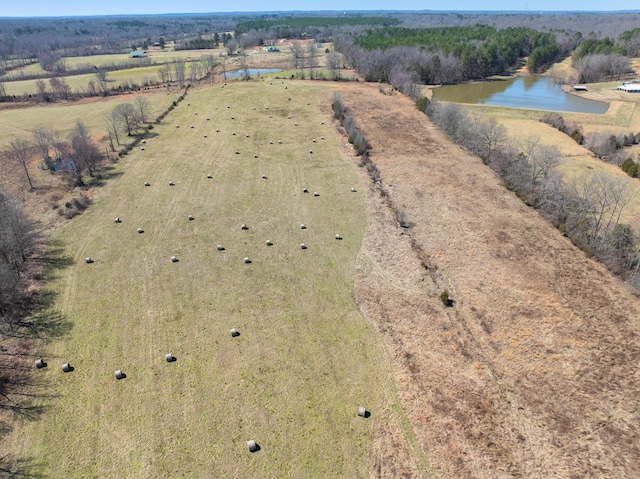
[533, 372]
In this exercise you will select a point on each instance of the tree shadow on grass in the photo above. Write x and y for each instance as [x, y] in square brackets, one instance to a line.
[19, 468]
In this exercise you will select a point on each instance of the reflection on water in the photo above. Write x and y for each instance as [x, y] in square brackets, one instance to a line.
[530, 92]
[251, 71]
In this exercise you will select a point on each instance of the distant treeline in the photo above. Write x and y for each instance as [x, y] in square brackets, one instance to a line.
[482, 49]
[301, 22]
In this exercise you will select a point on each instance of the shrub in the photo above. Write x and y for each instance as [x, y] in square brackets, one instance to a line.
[446, 300]
[422, 104]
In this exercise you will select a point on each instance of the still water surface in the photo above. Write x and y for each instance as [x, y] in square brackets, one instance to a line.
[530, 92]
[252, 71]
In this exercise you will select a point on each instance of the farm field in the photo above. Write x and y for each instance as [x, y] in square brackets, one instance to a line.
[20, 122]
[305, 359]
[531, 372]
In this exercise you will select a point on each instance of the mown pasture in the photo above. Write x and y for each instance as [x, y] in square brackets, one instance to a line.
[305, 359]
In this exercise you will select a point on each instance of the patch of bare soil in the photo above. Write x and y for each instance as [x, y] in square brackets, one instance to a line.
[533, 371]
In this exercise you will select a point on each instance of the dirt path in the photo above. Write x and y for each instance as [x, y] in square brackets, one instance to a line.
[533, 373]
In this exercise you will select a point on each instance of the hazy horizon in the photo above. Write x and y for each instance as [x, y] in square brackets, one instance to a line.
[76, 8]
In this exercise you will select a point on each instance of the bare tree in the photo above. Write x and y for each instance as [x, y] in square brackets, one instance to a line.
[195, 72]
[17, 239]
[312, 58]
[3, 90]
[60, 87]
[42, 137]
[334, 64]
[297, 57]
[231, 46]
[41, 88]
[209, 64]
[244, 65]
[143, 106]
[127, 116]
[179, 68]
[101, 80]
[19, 153]
[84, 152]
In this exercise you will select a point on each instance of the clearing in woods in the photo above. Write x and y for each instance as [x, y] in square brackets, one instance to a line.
[305, 359]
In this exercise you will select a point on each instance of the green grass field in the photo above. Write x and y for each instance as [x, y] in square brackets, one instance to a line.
[21, 122]
[305, 359]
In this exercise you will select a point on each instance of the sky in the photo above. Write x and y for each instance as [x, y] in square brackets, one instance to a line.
[31, 8]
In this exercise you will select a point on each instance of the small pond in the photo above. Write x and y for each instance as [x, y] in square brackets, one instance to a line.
[251, 72]
[529, 92]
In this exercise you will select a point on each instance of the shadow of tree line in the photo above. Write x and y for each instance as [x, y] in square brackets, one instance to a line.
[24, 395]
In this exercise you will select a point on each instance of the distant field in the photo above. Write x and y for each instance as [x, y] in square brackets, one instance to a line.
[21, 122]
[623, 117]
[305, 359]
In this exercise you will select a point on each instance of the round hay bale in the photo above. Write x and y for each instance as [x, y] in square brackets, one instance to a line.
[146, 183]
[295, 124]
[311, 152]
[244, 227]
[253, 447]
[247, 135]
[255, 156]
[67, 368]
[270, 116]
[191, 126]
[209, 176]
[228, 106]
[177, 126]
[254, 108]
[40, 363]
[315, 193]
[264, 177]
[171, 183]
[188, 104]
[289, 117]
[338, 237]
[353, 190]
[88, 259]
[362, 411]
[305, 190]
[144, 141]
[208, 118]
[217, 130]
[247, 260]
[117, 220]
[169, 357]
[220, 247]
[314, 140]
[142, 148]
[190, 218]
[308, 103]
[205, 136]
[303, 226]
[303, 246]
[322, 137]
[174, 259]
[195, 113]
[280, 142]
[120, 374]
[271, 142]
[237, 152]
[233, 133]
[234, 332]
[233, 117]
[322, 123]
[140, 230]
[269, 243]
